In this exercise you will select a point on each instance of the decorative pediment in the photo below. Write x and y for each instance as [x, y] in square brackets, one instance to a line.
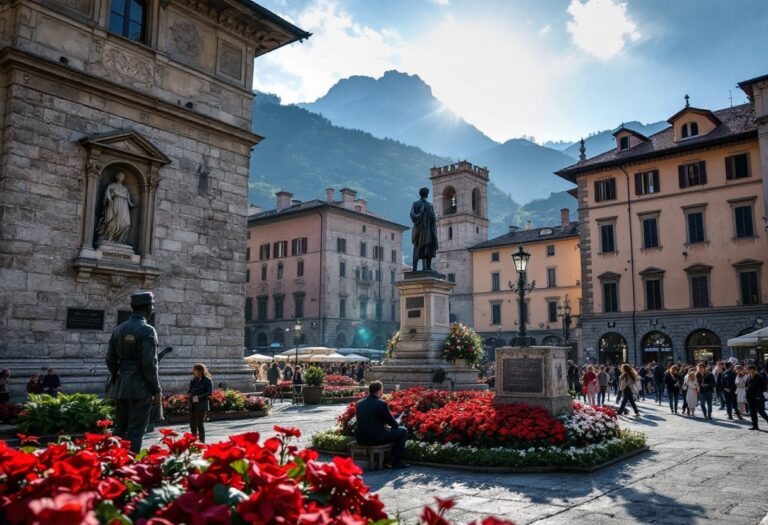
[690, 111]
[698, 268]
[609, 276]
[127, 143]
[747, 263]
[650, 271]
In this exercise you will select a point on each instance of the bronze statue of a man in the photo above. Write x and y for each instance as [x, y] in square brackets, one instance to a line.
[133, 364]
[424, 232]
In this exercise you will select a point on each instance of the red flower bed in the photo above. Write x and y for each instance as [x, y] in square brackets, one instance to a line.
[468, 418]
[9, 412]
[339, 380]
[284, 387]
[97, 480]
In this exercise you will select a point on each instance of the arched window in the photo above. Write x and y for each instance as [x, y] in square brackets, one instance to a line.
[278, 336]
[449, 201]
[613, 348]
[450, 233]
[261, 339]
[690, 129]
[702, 346]
[476, 201]
[656, 346]
[128, 18]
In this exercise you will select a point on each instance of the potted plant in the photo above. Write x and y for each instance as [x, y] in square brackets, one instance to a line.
[312, 391]
[463, 347]
[392, 344]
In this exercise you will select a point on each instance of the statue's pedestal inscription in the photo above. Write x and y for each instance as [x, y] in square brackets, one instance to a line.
[533, 376]
[418, 358]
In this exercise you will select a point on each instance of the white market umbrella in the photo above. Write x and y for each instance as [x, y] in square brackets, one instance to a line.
[308, 350]
[330, 358]
[751, 339]
[354, 358]
[259, 358]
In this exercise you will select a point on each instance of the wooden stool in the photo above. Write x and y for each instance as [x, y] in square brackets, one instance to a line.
[375, 454]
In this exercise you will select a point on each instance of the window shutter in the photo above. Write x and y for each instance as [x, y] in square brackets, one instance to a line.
[703, 172]
[597, 192]
[729, 168]
[656, 181]
[681, 176]
[612, 185]
[638, 184]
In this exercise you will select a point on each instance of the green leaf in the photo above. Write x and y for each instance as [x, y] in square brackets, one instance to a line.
[156, 499]
[240, 466]
[106, 512]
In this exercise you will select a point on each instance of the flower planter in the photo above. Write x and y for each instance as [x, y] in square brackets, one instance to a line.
[312, 394]
[175, 419]
[461, 363]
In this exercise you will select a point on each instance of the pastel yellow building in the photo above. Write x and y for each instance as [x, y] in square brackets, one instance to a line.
[672, 240]
[554, 266]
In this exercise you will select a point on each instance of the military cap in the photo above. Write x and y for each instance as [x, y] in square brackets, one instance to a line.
[142, 299]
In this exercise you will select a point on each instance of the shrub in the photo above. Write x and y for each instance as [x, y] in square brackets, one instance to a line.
[220, 401]
[392, 344]
[66, 413]
[463, 343]
[313, 376]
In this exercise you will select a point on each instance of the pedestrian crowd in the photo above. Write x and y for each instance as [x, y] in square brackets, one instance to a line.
[275, 372]
[737, 388]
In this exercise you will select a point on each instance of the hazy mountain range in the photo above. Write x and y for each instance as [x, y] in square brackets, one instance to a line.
[381, 137]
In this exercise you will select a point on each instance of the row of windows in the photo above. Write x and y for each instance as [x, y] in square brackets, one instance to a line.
[653, 288]
[278, 308]
[743, 228]
[691, 174]
[280, 271]
[552, 315]
[550, 253]
[551, 279]
[378, 251]
[279, 249]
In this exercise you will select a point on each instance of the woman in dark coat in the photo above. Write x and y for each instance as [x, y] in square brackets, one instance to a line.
[200, 389]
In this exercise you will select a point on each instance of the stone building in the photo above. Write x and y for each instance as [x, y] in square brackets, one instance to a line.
[555, 267]
[672, 246]
[331, 264]
[460, 199]
[126, 134]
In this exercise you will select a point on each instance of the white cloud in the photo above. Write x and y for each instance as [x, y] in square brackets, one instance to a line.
[339, 47]
[601, 27]
[545, 29]
[441, 2]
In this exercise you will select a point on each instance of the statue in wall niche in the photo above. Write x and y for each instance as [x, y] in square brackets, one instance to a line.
[115, 222]
[424, 232]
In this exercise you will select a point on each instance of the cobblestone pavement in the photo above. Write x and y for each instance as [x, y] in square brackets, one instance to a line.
[696, 472]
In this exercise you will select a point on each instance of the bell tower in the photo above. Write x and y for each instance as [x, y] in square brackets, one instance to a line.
[460, 199]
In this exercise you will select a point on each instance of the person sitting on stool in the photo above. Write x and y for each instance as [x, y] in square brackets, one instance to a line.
[373, 417]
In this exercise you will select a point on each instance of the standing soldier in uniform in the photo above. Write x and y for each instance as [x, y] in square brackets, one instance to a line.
[133, 365]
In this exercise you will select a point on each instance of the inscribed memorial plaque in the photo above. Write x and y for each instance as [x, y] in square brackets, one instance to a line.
[414, 302]
[523, 375]
[441, 310]
[414, 314]
[83, 319]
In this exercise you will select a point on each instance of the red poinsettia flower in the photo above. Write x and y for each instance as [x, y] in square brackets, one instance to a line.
[288, 431]
[28, 440]
[63, 509]
[104, 423]
[111, 488]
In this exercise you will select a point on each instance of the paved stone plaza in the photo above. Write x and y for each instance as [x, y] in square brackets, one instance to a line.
[696, 472]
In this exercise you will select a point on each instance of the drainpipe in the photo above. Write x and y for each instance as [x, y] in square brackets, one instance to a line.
[632, 268]
[322, 277]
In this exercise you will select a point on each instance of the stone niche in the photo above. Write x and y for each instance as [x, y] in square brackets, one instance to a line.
[122, 176]
[534, 375]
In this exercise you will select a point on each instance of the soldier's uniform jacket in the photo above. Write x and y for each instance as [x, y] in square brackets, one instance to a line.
[132, 360]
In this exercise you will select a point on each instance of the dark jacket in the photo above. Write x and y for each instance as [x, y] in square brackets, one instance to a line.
[297, 379]
[203, 389]
[51, 381]
[658, 374]
[707, 382]
[727, 380]
[756, 386]
[670, 380]
[132, 360]
[373, 417]
[273, 375]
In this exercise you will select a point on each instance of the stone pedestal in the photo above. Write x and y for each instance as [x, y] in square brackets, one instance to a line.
[533, 375]
[424, 325]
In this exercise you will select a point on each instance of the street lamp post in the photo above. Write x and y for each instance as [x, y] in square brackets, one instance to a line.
[297, 337]
[520, 258]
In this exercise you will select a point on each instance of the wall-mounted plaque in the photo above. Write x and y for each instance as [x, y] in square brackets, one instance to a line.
[414, 302]
[414, 314]
[523, 375]
[83, 319]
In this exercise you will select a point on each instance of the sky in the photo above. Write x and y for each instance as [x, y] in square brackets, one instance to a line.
[551, 69]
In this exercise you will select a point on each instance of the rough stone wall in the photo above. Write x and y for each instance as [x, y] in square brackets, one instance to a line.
[199, 239]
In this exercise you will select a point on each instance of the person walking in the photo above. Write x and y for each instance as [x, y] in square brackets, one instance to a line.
[728, 381]
[659, 381]
[573, 378]
[707, 383]
[298, 382]
[628, 386]
[756, 387]
[691, 387]
[643, 373]
[288, 373]
[132, 361]
[741, 388]
[51, 383]
[673, 390]
[5, 386]
[200, 391]
[602, 383]
[273, 374]
[718, 371]
[590, 383]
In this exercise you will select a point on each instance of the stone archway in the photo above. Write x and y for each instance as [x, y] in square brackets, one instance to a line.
[656, 346]
[703, 345]
[612, 348]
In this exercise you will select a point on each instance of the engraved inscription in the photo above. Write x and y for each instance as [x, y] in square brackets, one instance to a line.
[231, 60]
[523, 375]
[83, 319]
[414, 302]
[414, 314]
[441, 310]
[127, 64]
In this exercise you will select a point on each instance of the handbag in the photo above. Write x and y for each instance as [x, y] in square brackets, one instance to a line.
[584, 389]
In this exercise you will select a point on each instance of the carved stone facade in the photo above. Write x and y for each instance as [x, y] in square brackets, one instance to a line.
[82, 108]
